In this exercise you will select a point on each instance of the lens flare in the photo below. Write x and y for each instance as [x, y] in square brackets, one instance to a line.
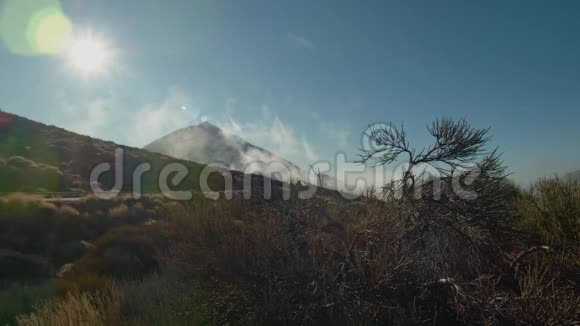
[34, 27]
[89, 55]
[50, 31]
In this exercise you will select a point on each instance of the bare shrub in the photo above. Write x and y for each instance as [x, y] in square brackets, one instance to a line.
[453, 232]
[269, 265]
[125, 252]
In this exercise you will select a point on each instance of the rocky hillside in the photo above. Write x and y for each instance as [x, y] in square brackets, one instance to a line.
[35, 157]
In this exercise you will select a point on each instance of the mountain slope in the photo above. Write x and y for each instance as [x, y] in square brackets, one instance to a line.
[35, 157]
[573, 176]
[206, 143]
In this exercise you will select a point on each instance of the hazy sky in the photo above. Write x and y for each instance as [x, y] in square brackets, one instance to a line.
[303, 78]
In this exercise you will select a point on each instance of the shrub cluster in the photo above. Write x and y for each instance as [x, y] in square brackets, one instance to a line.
[550, 211]
[22, 174]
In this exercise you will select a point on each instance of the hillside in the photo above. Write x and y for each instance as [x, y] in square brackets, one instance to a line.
[207, 143]
[35, 157]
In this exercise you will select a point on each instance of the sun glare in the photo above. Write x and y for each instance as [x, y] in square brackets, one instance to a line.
[89, 56]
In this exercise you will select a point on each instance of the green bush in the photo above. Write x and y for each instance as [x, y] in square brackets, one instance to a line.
[550, 210]
[19, 299]
[22, 174]
[18, 266]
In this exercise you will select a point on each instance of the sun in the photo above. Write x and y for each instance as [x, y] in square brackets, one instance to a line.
[89, 56]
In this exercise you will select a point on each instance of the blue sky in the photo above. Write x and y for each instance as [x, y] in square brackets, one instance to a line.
[303, 78]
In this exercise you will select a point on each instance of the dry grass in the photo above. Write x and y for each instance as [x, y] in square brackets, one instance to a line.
[91, 309]
[327, 261]
[154, 301]
[330, 261]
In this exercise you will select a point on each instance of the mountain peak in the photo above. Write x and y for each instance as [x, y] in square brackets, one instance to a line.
[208, 125]
[207, 143]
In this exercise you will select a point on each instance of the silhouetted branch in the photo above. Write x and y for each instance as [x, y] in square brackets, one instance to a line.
[457, 146]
